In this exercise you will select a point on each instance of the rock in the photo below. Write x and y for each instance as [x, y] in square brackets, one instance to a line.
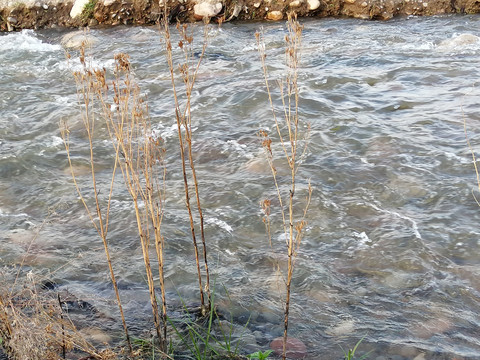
[429, 328]
[295, 348]
[12, 19]
[458, 41]
[77, 8]
[344, 328]
[313, 4]
[364, 4]
[108, 3]
[257, 5]
[295, 3]
[420, 356]
[74, 40]
[96, 335]
[207, 9]
[275, 15]
[350, 1]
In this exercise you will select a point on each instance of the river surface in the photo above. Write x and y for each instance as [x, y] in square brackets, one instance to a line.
[391, 248]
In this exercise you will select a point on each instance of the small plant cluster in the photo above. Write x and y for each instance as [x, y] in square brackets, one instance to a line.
[88, 10]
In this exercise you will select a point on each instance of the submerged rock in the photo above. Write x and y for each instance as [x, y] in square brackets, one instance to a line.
[343, 328]
[74, 40]
[296, 349]
[458, 42]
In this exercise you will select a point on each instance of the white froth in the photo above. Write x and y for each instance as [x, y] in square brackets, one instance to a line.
[403, 217]
[26, 41]
[220, 223]
[236, 147]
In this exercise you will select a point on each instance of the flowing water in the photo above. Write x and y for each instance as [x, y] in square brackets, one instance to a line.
[391, 248]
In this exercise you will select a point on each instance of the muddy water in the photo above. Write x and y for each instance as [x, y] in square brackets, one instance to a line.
[391, 248]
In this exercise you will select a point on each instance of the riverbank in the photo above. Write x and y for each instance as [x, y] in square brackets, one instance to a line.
[35, 14]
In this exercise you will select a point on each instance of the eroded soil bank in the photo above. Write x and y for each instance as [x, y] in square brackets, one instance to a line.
[35, 14]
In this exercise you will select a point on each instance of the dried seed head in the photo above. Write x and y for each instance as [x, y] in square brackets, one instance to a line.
[266, 206]
[123, 62]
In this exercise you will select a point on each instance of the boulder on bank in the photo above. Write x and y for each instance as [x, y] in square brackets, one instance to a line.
[207, 9]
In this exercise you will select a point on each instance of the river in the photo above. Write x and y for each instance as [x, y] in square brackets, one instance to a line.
[391, 248]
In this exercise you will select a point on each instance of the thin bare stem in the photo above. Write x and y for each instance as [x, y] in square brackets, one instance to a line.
[288, 137]
[184, 128]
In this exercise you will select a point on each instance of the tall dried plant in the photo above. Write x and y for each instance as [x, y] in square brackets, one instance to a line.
[141, 163]
[98, 211]
[292, 145]
[187, 72]
[139, 154]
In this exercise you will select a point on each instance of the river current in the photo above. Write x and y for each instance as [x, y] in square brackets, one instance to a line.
[390, 253]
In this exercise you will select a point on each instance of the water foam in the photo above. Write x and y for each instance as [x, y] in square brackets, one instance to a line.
[26, 40]
[220, 223]
[413, 223]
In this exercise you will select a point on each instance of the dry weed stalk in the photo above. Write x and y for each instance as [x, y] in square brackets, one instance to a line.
[188, 71]
[293, 147]
[139, 153]
[33, 325]
[474, 158]
[99, 211]
[142, 166]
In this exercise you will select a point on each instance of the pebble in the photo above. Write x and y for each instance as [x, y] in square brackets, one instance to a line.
[275, 15]
[207, 10]
[296, 349]
[295, 3]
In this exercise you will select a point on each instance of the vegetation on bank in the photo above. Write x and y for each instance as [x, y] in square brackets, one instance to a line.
[19, 15]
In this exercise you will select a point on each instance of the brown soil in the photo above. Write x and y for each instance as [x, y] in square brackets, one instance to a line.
[144, 12]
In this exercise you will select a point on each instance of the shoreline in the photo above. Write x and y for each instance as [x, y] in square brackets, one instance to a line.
[41, 14]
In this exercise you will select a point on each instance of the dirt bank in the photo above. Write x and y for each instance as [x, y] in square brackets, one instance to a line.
[34, 14]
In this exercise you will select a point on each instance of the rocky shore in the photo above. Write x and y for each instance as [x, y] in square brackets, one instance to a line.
[35, 14]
